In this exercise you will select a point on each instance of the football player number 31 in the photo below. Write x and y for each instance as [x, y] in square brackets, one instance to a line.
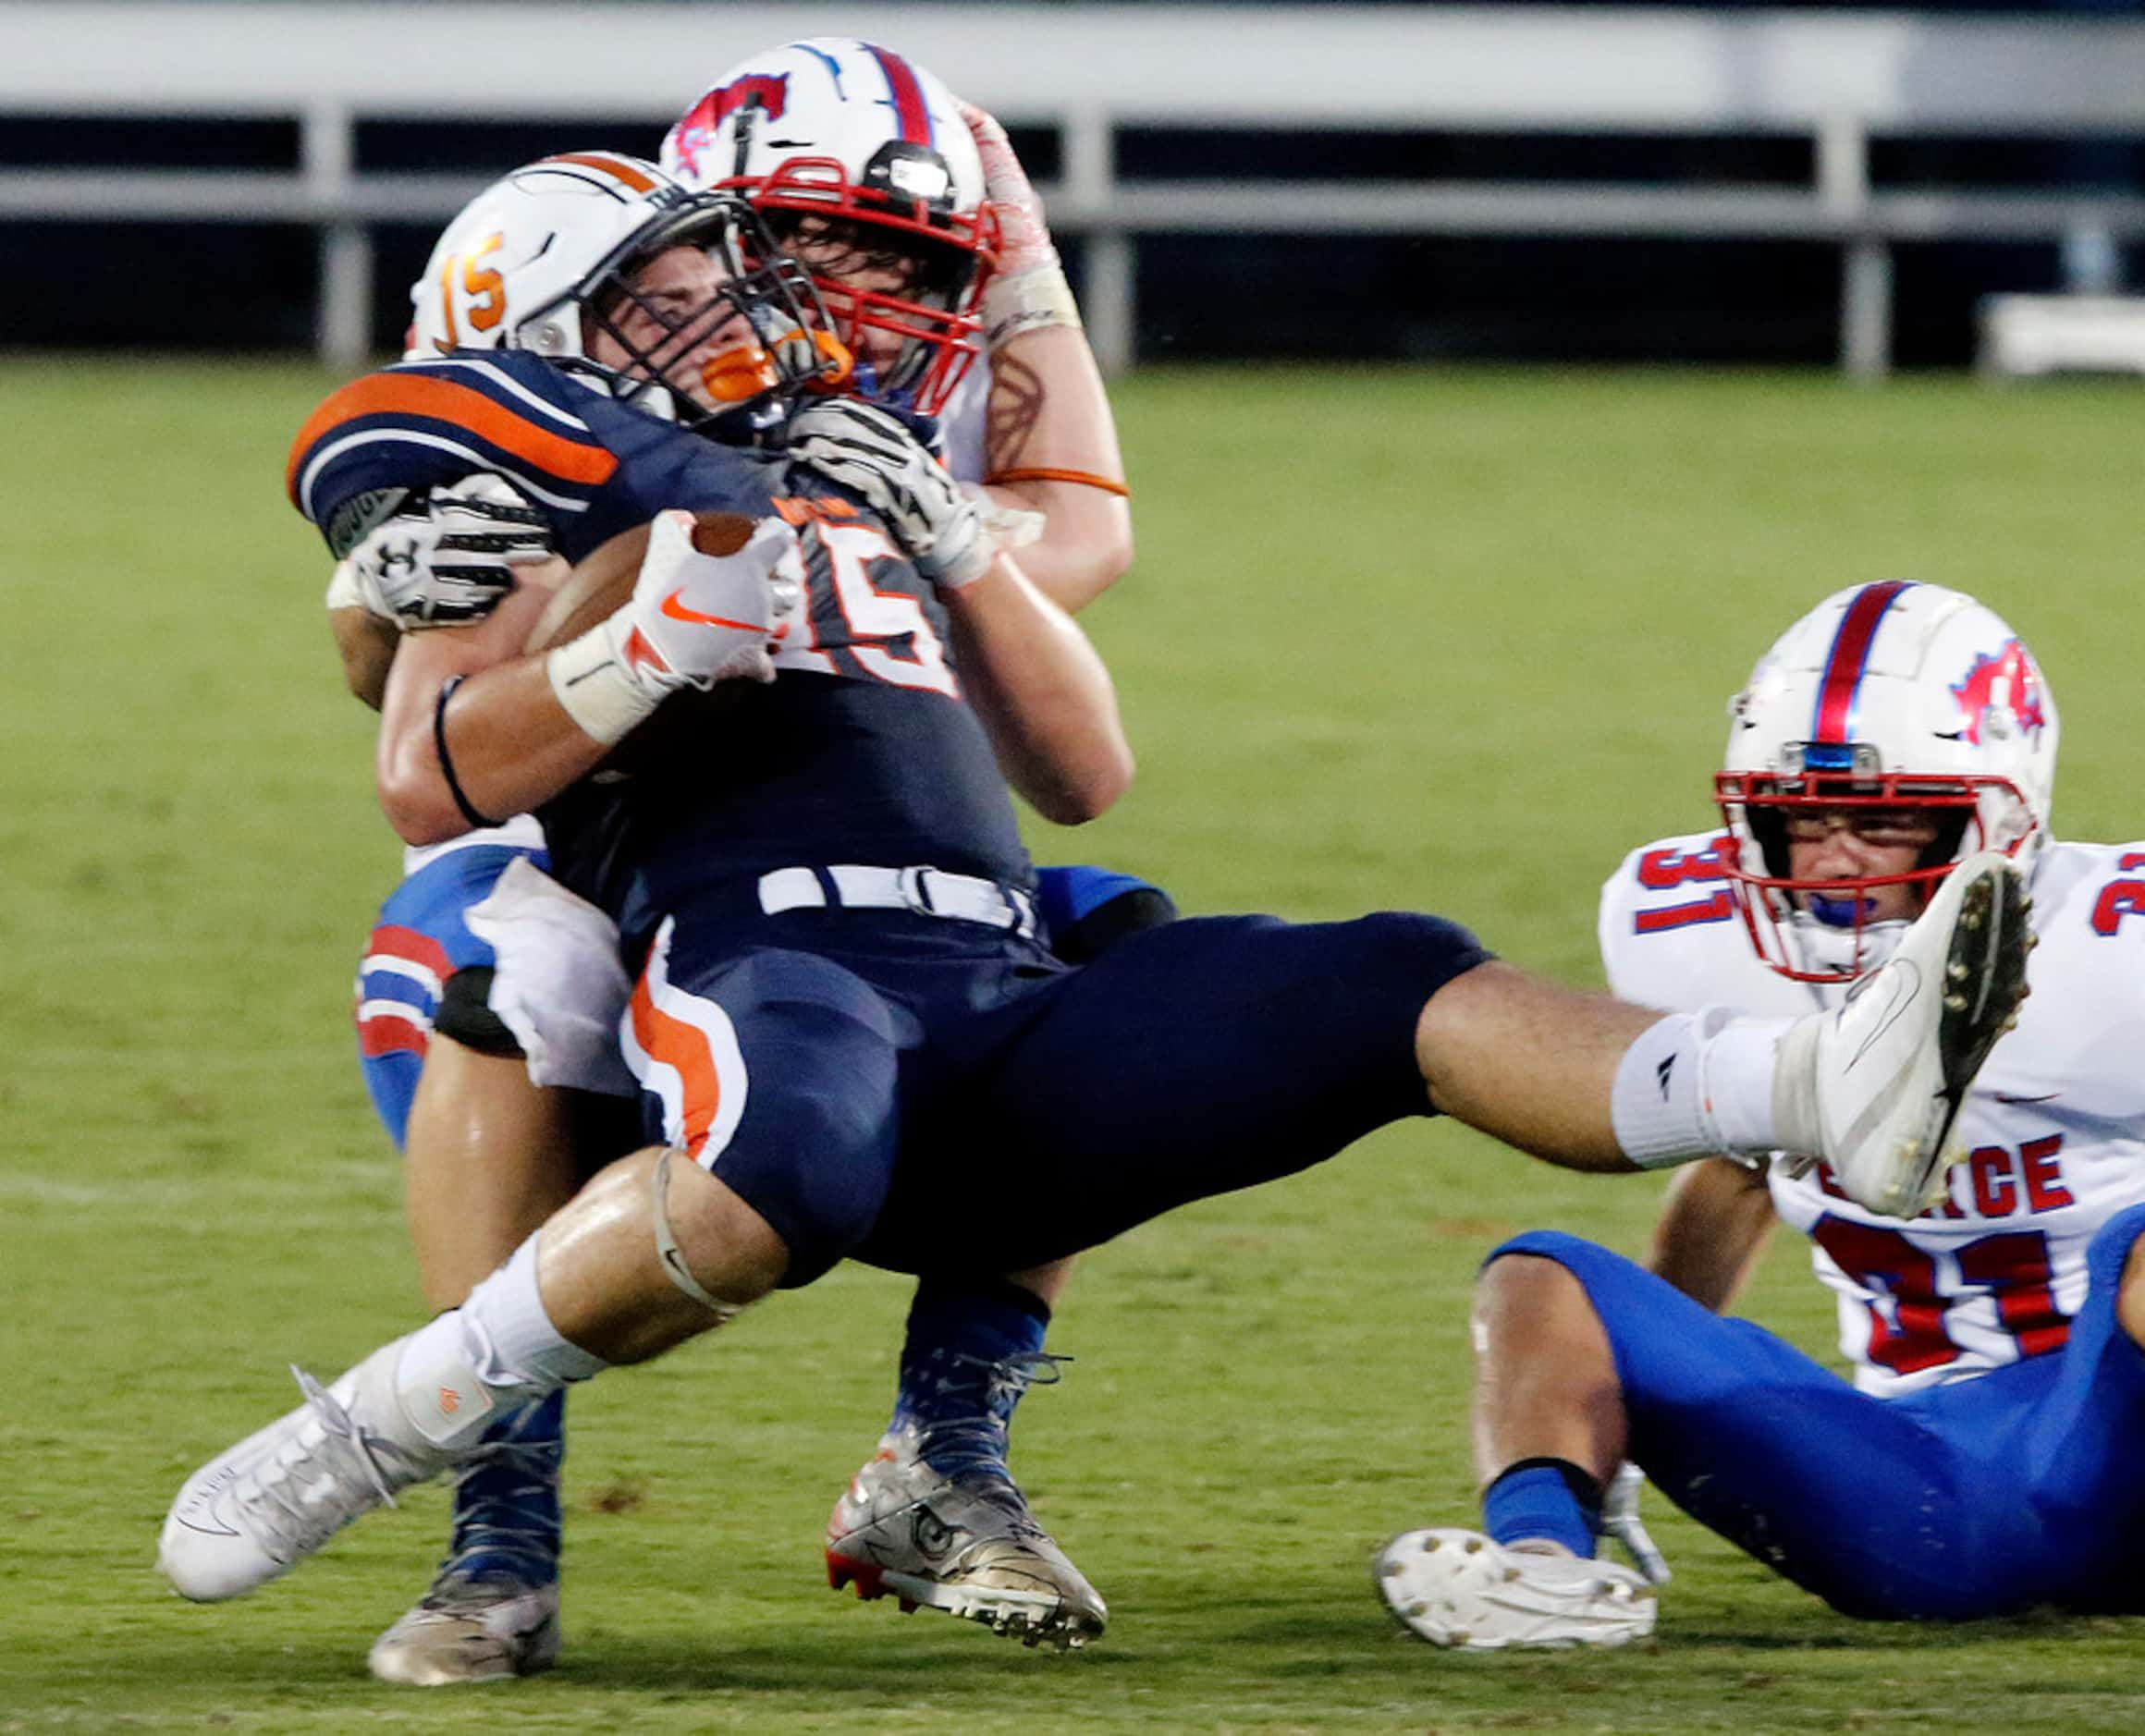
[1659, 870]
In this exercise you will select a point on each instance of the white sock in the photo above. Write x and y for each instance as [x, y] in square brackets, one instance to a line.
[1696, 1085]
[495, 1353]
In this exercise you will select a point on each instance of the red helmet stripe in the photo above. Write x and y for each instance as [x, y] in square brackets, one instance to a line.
[1848, 658]
[911, 113]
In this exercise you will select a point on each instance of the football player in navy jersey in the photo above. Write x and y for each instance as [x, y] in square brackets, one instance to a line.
[843, 1017]
[984, 332]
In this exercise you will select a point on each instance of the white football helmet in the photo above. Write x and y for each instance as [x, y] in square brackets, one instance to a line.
[1887, 696]
[875, 148]
[544, 257]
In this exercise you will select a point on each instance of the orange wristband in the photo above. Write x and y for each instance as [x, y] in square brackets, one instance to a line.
[1050, 473]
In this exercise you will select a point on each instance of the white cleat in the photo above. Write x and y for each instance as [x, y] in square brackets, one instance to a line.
[258, 1510]
[967, 1544]
[1458, 1589]
[1874, 1086]
[470, 1629]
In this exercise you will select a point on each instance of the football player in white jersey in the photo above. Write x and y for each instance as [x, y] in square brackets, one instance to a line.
[1979, 1463]
[818, 137]
[930, 250]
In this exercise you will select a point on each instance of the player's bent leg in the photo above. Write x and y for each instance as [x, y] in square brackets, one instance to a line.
[488, 1155]
[934, 1514]
[1548, 1431]
[1867, 1503]
[934, 1517]
[486, 1163]
[631, 1267]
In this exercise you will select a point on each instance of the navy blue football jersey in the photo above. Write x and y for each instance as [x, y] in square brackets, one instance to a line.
[863, 750]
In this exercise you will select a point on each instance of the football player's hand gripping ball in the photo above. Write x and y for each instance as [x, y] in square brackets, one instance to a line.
[708, 617]
[875, 456]
[713, 596]
[448, 558]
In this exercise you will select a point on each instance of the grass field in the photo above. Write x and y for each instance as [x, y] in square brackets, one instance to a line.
[1445, 640]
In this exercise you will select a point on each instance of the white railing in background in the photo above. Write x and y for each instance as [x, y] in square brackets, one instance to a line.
[1090, 70]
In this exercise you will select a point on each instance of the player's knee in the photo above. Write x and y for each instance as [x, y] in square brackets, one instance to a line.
[1524, 1264]
[713, 1244]
[1410, 955]
[825, 1199]
[1531, 1273]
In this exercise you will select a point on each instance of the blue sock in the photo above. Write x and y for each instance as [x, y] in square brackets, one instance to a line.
[973, 1347]
[506, 1503]
[1544, 1499]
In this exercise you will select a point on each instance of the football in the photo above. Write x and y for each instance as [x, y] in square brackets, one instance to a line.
[599, 584]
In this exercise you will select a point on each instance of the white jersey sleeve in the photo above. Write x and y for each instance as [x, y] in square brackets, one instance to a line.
[961, 423]
[2054, 1124]
[1670, 935]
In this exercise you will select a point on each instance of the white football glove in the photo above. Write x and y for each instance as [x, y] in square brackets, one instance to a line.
[448, 558]
[875, 456]
[1619, 1519]
[693, 620]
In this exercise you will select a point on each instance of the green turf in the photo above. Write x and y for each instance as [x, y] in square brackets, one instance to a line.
[1450, 640]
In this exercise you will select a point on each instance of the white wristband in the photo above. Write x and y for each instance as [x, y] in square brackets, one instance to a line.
[598, 690]
[1027, 302]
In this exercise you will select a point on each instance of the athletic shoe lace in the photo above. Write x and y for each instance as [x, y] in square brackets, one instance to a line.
[316, 1482]
[972, 1447]
[511, 1528]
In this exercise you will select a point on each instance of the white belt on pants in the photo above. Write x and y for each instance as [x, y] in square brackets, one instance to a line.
[922, 891]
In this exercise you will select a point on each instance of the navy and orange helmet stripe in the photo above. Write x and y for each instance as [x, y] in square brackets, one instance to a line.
[622, 169]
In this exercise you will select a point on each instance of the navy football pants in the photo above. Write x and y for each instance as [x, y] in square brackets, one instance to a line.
[936, 1095]
[1984, 1496]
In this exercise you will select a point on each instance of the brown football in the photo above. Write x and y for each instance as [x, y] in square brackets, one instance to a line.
[598, 585]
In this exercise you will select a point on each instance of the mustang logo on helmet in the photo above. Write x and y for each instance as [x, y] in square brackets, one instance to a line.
[767, 92]
[2003, 690]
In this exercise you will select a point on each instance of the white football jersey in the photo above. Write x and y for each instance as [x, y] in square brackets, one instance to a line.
[961, 422]
[2056, 1121]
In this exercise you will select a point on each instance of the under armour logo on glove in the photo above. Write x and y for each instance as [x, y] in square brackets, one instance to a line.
[448, 558]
